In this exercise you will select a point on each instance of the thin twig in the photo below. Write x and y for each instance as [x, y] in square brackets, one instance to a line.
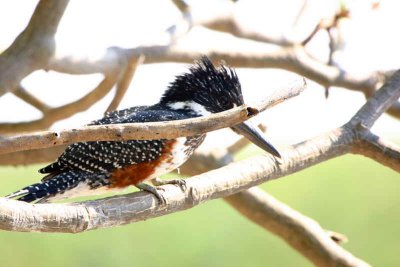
[24, 95]
[124, 81]
[54, 114]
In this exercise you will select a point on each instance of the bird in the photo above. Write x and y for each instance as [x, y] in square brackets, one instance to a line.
[98, 167]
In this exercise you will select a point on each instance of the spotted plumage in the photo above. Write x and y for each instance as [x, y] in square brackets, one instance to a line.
[86, 168]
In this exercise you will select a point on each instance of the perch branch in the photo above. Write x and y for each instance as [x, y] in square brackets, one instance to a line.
[153, 130]
[265, 210]
[138, 206]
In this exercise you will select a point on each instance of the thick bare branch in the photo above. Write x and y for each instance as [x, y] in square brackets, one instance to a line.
[289, 58]
[302, 233]
[257, 205]
[205, 162]
[153, 130]
[140, 206]
[111, 60]
[32, 49]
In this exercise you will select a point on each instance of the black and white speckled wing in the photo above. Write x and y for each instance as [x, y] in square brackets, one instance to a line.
[105, 156]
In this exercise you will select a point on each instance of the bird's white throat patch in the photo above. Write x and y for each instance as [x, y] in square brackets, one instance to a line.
[190, 105]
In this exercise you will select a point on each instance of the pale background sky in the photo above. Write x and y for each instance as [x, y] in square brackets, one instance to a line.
[88, 27]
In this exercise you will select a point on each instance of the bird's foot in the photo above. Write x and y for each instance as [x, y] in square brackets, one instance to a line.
[180, 182]
[154, 191]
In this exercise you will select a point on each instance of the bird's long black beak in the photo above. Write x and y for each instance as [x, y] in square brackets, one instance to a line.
[256, 136]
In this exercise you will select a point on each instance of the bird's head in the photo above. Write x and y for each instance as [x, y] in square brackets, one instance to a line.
[204, 89]
[207, 89]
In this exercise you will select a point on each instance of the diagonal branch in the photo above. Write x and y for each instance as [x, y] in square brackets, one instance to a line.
[378, 149]
[381, 101]
[153, 130]
[124, 81]
[54, 114]
[302, 233]
[181, 5]
[139, 206]
[24, 95]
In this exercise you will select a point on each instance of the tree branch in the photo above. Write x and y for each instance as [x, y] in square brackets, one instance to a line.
[123, 83]
[152, 130]
[292, 58]
[54, 114]
[300, 232]
[181, 5]
[382, 100]
[138, 206]
[32, 49]
[378, 149]
[24, 95]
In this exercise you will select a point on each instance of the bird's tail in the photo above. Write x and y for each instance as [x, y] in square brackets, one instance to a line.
[51, 187]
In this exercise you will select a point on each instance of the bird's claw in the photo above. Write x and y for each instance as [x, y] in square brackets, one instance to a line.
[180, 182]
[154, 191]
